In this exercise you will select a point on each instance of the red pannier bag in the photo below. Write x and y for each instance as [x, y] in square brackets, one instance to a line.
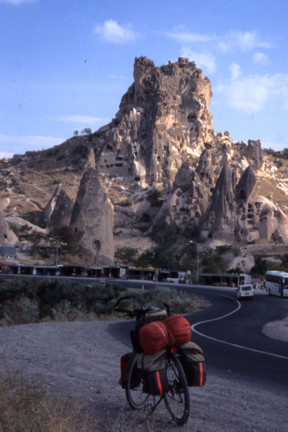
[153, 337]
[124, 360]
[179, 330]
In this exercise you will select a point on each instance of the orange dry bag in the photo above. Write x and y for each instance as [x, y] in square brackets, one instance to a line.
[179, 330]
[153, 337]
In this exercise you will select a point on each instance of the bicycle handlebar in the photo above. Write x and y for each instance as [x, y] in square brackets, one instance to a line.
[138, 313]
[127, 311]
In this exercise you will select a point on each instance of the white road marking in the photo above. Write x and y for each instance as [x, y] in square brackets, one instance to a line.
[193, 327]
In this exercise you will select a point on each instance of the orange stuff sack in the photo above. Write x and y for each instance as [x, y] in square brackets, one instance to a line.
[179, 330]
[153, 337]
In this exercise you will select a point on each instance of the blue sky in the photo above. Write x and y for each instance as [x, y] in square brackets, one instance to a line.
[66, 64]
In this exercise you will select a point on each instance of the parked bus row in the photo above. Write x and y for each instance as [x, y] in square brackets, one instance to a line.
[118, 272]
[94, 272]
[276, 282]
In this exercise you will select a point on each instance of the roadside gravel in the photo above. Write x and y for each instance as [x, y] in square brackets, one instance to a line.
[81, 361]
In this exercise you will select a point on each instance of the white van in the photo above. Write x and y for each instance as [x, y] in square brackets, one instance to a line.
[245, 291]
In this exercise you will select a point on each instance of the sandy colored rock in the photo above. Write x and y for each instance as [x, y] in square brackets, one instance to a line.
[93, 215]
[161, 141]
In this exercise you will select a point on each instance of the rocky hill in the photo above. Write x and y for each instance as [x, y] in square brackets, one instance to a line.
[158, 161]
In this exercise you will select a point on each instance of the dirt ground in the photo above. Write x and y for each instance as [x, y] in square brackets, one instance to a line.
[81, 361]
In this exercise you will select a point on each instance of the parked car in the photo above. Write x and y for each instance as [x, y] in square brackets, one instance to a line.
[245, 291]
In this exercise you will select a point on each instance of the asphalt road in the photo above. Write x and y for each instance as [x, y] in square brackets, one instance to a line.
[235, 345]
[230, 333]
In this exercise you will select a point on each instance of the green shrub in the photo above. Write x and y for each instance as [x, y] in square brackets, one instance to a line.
[23, 232]
[160, 257]
[165, 234]
[15, 181]
[15, 228]
[34, 217]
[155, 197]
[279, 163]
[146, 218]
[125, 203]
[28, 301]
[179, 302]
[260, 267]
[126, 255]
[68, 238]
[21, 311]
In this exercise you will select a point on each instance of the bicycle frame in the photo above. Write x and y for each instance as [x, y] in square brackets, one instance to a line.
[176, 394]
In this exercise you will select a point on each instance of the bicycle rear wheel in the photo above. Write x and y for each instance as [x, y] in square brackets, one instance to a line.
[177, 399]
[135, 394]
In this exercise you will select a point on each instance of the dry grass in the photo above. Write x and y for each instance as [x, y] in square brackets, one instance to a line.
[25, 407]
[265, 186]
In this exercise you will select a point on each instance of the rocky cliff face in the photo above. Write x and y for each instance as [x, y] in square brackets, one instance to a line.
[163, 120]
[161, 140]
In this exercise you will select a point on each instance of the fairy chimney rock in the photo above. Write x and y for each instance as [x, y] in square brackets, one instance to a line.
[93, 216]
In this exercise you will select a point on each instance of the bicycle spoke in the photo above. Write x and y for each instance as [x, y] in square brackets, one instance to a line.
[135, 394]
[177, 398]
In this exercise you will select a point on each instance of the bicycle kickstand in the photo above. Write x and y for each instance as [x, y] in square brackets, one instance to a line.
[150, 408]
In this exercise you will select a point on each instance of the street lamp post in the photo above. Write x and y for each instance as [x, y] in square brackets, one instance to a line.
[56, 259]
[197, 269]
[57, 245]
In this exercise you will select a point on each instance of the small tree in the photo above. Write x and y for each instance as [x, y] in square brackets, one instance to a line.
[211, 261]
[165, 234]
[126, 255]
[86, 131]
[155, 197]
[146, 259]
[68, 237]
[260, 267]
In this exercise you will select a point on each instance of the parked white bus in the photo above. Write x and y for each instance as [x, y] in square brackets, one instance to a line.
[276, 283]
[224, 279]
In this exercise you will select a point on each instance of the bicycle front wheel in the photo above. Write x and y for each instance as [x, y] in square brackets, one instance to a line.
[135, 394]
[177, 398]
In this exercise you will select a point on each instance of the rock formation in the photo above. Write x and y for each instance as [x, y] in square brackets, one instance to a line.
[3, 229]
[162, 121]
[7, 236]
[58, 211]
[93, 216]
[162, 137]
[219, 218]
[162, 141]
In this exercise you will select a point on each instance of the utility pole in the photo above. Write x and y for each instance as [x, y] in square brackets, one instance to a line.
[197, 269]
[57, 245]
